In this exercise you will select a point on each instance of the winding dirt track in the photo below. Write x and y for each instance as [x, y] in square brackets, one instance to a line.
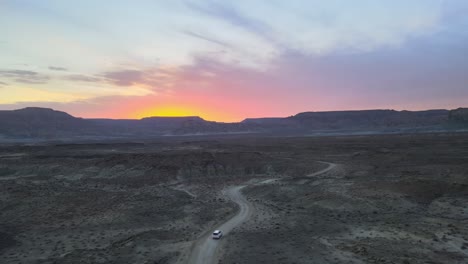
[330, 167]
[204, 250]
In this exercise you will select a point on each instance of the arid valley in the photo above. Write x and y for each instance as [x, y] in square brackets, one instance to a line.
[347, 199]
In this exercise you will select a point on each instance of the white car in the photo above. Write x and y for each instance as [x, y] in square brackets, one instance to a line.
[217, 234]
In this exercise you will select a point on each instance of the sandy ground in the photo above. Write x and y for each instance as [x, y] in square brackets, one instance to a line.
[389, 199]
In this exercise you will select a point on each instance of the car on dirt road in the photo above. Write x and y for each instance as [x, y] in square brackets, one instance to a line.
[217, 234]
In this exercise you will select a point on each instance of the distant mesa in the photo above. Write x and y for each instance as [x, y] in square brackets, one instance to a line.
[49, 124]
[459, 115]
[37, 110]
[173, 118]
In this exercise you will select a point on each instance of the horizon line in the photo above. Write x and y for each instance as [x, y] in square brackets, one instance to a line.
[245, 118]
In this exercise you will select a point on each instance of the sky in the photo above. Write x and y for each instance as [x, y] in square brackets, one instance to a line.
[229, 60]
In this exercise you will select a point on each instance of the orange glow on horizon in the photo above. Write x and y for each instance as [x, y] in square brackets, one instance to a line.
[181, 111]
[170, 111]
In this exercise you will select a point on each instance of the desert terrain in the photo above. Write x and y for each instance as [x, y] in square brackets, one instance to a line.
[345, 199]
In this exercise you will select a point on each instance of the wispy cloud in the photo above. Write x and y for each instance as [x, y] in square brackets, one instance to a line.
[16, 73]
[124, 77]
[153, 78]
[54, 68]
[231, 15]
[24, 76]
[82, 78]
[206, 38]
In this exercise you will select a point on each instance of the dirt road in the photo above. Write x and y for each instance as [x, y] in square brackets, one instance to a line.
[330, 167]
[204, 250]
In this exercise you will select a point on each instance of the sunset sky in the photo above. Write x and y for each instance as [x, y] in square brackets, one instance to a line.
[228, 60]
